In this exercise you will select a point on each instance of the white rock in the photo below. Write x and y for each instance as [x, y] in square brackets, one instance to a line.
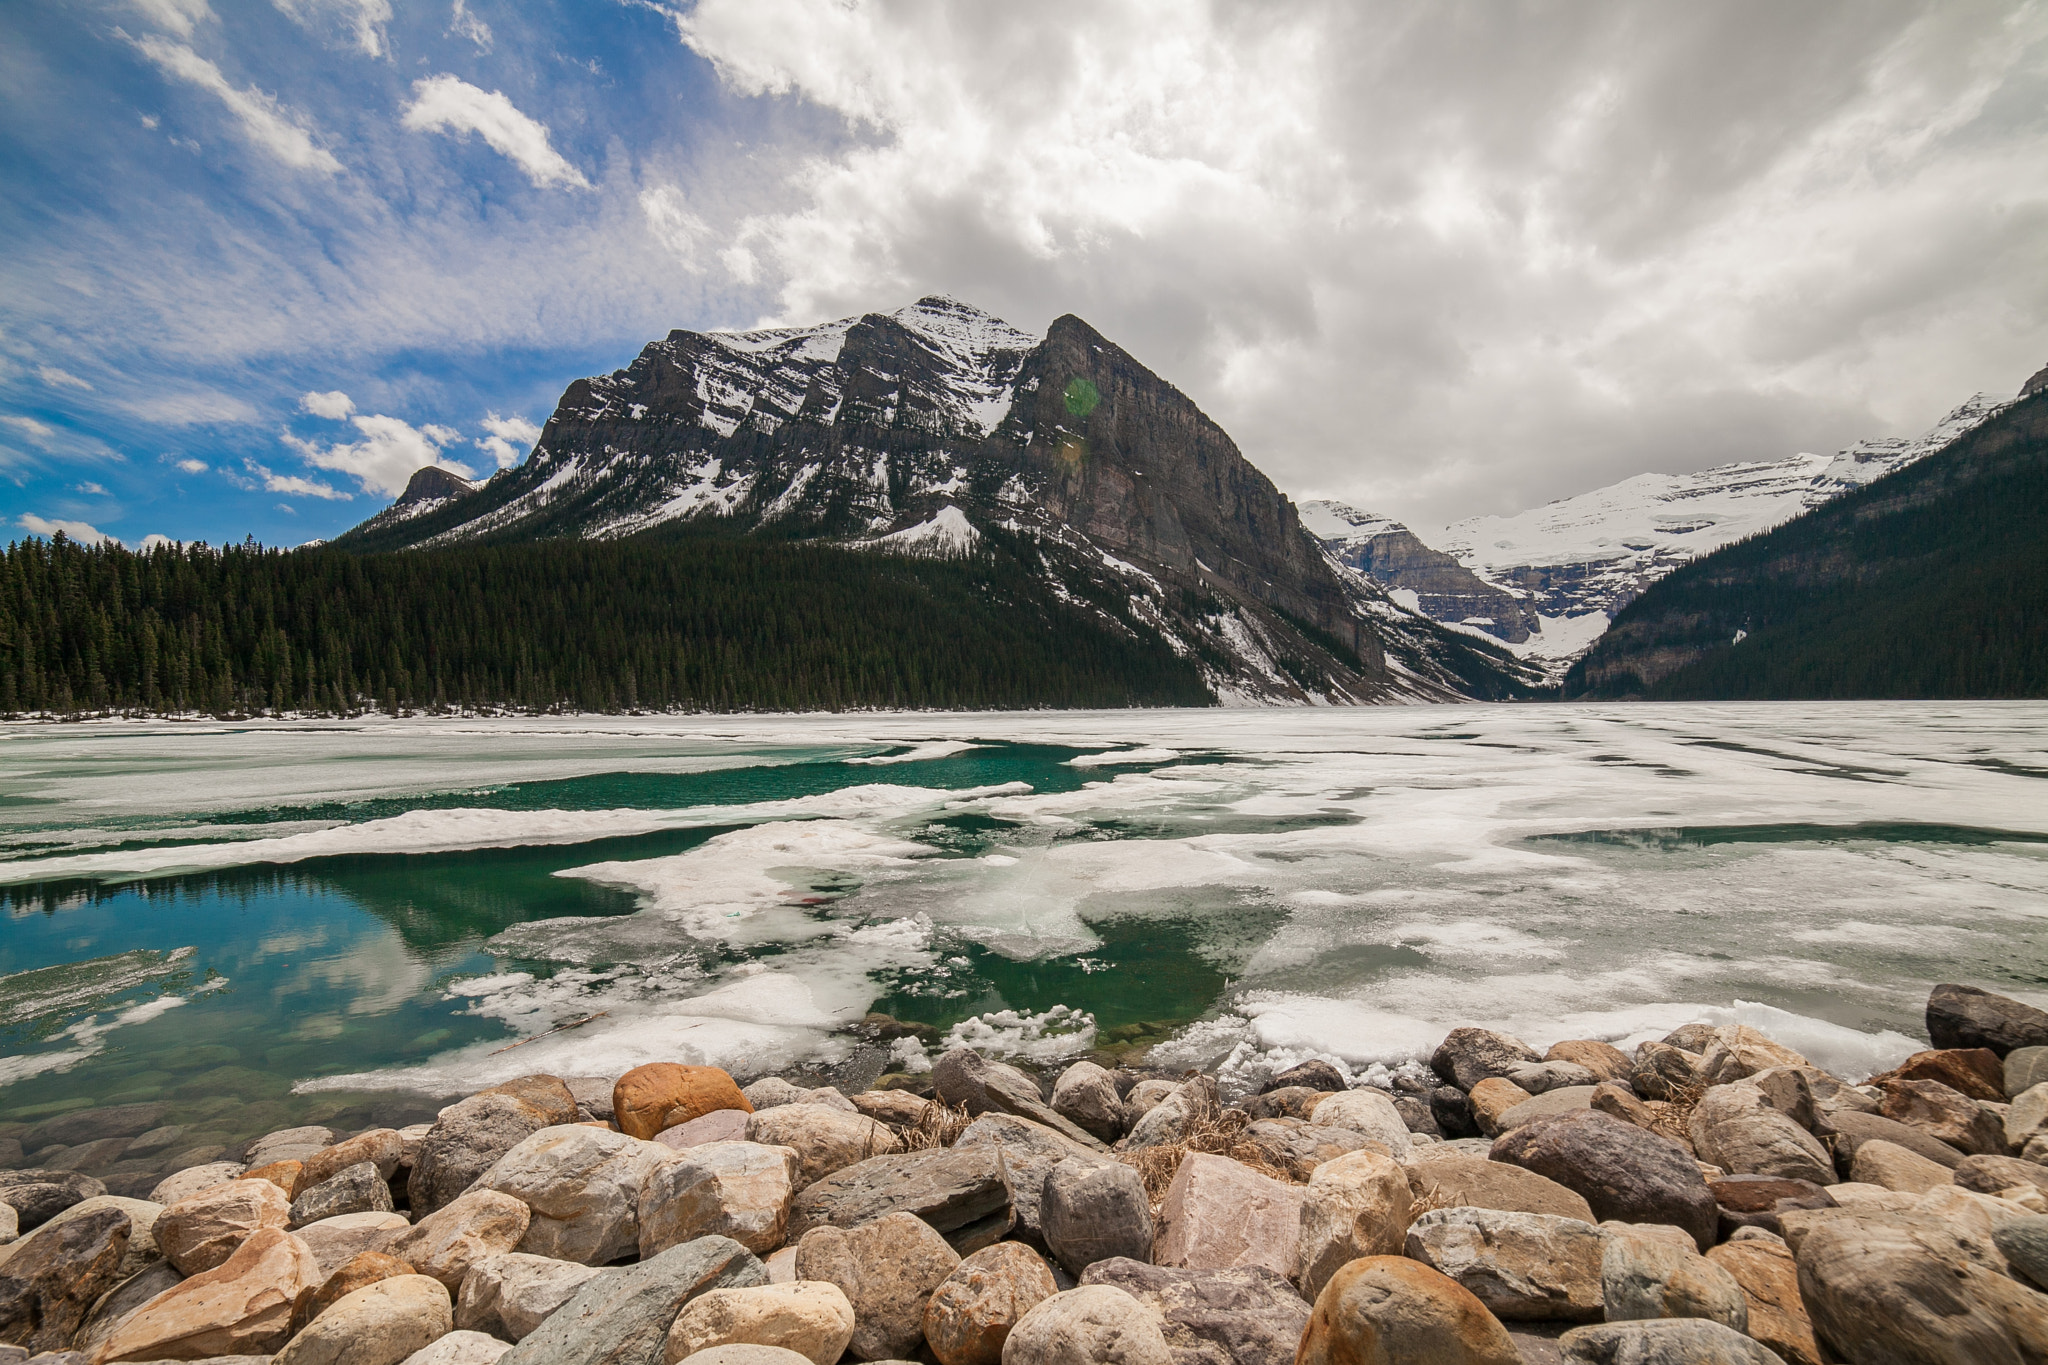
[511, 1294]
[583, 1185]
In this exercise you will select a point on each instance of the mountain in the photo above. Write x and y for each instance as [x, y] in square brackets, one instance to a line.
[941, 431]
[1931, 581]
[1549, 580]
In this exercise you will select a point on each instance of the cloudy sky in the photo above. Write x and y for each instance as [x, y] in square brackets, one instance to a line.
[266, 257]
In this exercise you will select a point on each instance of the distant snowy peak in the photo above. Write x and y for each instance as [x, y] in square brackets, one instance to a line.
[1867, 461]
[1340, 522]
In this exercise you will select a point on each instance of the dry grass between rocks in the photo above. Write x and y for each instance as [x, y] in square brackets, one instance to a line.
[937, 1126]
[1674, 1118]
[1216, 1133]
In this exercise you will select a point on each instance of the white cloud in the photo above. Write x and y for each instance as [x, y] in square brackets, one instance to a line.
[510, 439]
[192, 466]
[199, 408]
[1438, 262]
[62, 379]
[92, 490]
[80, 531]
[466, 24]
[179, 16]
[40, 432]
[333, 404]
[673, 225]
[390, 453]
[292, 483]
[152, 540]
[355, 23]
[450, 104]
[264, 121]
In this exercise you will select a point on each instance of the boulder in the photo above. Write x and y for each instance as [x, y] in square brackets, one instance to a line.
[380, 1324]
[963, 1077]
[1539, 1078]
[1149, 1093]
[1877, 1289]
[1354, 1206]
[460, 1348]
[1452, 1111]
[754, 1355]
[381, 1147]
[142, 1215]
[1522, 1266]
[37, 1196]
[1368, 1112]
[1945, 1114]
[740, 1190]
[1173, 1118]
[1313, 1074]
[190, 1180]
[1289, 1102]
[964, 1193]
[2024, 1068]
[1219, 1213]
[970, 1315]
[1990, 1174]
[897, 1108]
[809, 1317]
[447, 1242]
[1085, 1095]
[1087, 1326]
[1739, 1051]
[466, 1141]
[361, 1271]
[1736, 1128]
[1298, 1148]
[548, 1094]
[2024, 1244]
[887, 1269]
[510, 1295]
[1492, 1097]
[772, 1091]
[1973, 1071]
[1894, 1168]
[1757, 1200]
[1468, 1056]
[1389, 1309]
[1850, 1129]
[10, 1224]
[287, 1144]
[240, 1307]
[622, 1316]
[1090, 1211]
[1606, 1061]
[720, 1125]
[2026, 1119]
[1624, 1172]
[54, 1277]
[1662, 1070]
[824, 1139]
[113, 1307]
[1567, 1100]
[1966, 1017]
[1453, 1180]
[1244, 1316]
[333, 1241]
[202, 1231]
[1416, 1113]
[1669, 1341]
[1621, 1101]
[289, 1176]
[1029, 1151]
[353, 1189]
[583, 1187]
[1652, 1277]
[1769, 1279]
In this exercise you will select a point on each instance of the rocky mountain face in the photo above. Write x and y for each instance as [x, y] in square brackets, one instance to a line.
[1548, 581]
[941, 430]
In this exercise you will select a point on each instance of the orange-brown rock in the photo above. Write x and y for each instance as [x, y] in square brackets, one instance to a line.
[242, 1307]
[1382, 1309]
[1769, 1278]
[381, 1146]
[1604, 1060]
[203, 1230]
[364, 1268]
[661, 1095]
[1975, 1071]
[549, 1094]
[289, 1176]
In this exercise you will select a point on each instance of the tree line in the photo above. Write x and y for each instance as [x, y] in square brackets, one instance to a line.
[706, 624]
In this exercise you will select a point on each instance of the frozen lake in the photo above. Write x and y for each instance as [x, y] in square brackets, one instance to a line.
[270, 922]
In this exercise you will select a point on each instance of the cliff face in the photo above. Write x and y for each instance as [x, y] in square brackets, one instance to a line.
[932, 430]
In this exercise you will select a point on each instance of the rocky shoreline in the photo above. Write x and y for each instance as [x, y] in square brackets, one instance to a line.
[1713, 1197]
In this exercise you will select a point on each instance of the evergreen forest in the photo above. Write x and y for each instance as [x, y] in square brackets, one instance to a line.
[608, 626]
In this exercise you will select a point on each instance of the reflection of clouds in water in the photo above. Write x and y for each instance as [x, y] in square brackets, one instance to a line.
[375, 972]
[89, 1034]
[284, 945]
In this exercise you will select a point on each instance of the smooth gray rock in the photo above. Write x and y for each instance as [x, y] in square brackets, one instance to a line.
[2024, 1244]
[1085, 1094]
[1247, 1315]
[288, 1144]
[1468, 1056]
[965, 1077]
[1541, 1077]
[1964, 1016]
[52, 1281]
[1672, 1341]
[1736, 1128]
[1623, 1172]
[1851, 1129]
[888, 1270]
[1648, 1277]
[593, 1096]
[1029, 1151]
[466, 1141]
[963, 1193]
[1990, 1174]
[1886, 1289]
[37, 1196]
[622, 1316]
[509, 1296]
[353, 1189]
[1522, 1266]
[2025, 1068]
[1094, 1212]
[1314, 1074]
[740, 1354]
[772, 1092]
